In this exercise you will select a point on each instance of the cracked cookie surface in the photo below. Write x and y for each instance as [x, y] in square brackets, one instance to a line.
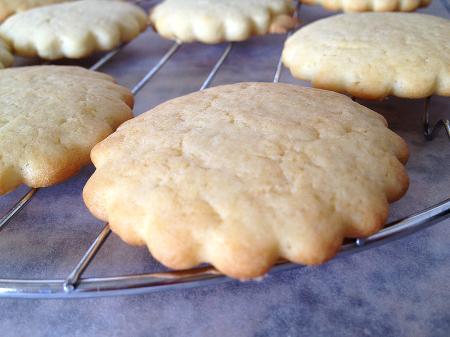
[373, 55]
[370, 5]
[9, 7]
[215, 21]
[6, 58]
[73, 30]
[50, 118]
[241, 175]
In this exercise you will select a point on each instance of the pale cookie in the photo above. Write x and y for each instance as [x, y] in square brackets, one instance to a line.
[214, 21]
[50, 118]
[6, 58]
[73, 30]
[369, 5]
[373, 55]
[241, 175]
[9, 7]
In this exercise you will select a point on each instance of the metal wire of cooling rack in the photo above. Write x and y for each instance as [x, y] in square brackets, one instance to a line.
[74, 286]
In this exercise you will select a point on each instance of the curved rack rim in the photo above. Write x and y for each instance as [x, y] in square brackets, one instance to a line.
[145, 283]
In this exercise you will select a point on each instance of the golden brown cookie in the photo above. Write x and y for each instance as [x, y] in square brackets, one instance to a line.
[50, 118]
[215, 21]
[373, 55]
[369, 5]
[241, 175]
[9, 7]
[73, 29]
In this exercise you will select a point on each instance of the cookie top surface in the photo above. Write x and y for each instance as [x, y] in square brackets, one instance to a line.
[370, 5]
[74, 29]
[9, 7]
[214, 21]
[50, 119]
[373, 55]
[240, 175]
[6, 58]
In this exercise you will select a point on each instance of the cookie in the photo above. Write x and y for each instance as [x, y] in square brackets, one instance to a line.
[9, 7]
[50, 118]
[244, 174]
[73, 30]
[6, 58]
[369, 5]
[215, 21]
[373, 55]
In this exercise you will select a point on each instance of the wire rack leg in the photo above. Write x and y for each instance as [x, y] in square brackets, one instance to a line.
[217, 66]
[430, 131]
[71, 281]
[276, 77]
[106, 58]
[17, 207]
[152, 72]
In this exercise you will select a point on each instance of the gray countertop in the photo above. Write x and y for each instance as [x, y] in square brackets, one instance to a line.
[399, 289]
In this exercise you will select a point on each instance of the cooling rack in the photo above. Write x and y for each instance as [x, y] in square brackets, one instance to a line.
[75, 286]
